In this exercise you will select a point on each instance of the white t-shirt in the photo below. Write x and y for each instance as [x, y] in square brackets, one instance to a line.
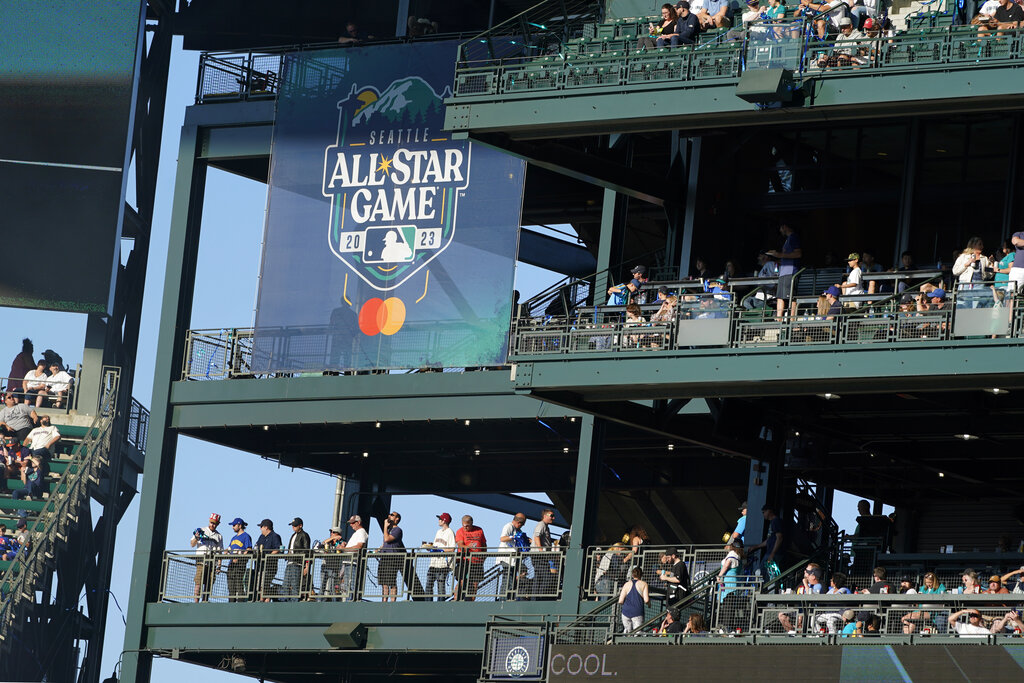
[41, 436]
[507, 530]
[857, 278]
[212, 543]
[34, 381]
[360, 536]
[989, 7]
[971, 630]
[60, 381]
[444, 538]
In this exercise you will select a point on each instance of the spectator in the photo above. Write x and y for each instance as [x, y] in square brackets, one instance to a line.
[34, 386]
[753, 14]
[514, 540]
[632, 599]
[688, 26]
[207, 541]
[269, 543]
[854, 284]
[470, 540]
[330, 575]
[1009, 14]
[241, 544]
[17, 419]
[635, 538]
[1018, 587]
[421, 26]
[789, 261]
[728, 575]
[995, 585]
[25, 361]
[776, 10]
[1004, 264]
[695, 624]
[663, 33]
[741, 525]
[620, 295]
[832, 300]
[1017, 269]
[826, 24]
[772, 544]
[701, 265]
[441, 565]
[769, 268]
[911, 621]
[14, 458]
[970, 586]
[296, 568]
[670, 624]
[545, 571]
[60, 384]
[675, 574]
[880, 586]
[393, 557]
[34, 478]
[8, 546]
[975, 625]
[868, 264]
[608, 572]
[811, 585]
[907, 586]
[716, 14]
[22, 535]
[43, 438]
[850, 627]
[972, 267]
[832, 622]
[352, 35]
[1009, 621]
[640, 276]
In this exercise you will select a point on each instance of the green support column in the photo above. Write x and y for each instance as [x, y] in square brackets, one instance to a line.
[155, 501]
[94, 357]
[584, 506]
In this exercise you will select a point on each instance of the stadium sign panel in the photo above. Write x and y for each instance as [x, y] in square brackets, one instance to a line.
[394, 246]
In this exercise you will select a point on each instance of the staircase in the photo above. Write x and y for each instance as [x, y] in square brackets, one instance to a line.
[53, 524]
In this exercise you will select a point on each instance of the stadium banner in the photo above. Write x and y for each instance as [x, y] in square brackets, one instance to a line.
[387, 243]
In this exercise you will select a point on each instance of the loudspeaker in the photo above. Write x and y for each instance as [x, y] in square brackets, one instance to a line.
[346, 635]
[763, 86]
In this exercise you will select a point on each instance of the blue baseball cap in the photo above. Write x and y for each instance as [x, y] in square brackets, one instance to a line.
[238, 520]
[937, 293]
[832, 291]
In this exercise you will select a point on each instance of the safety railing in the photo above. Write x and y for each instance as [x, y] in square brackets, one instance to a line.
[67, 398]
[710, 321]
[608, 567]
[138, 426]
[883, 615]
[412, 574]
[57, 519]
[614, 62]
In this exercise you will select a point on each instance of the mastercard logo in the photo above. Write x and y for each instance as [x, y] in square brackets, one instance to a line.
[381, 316]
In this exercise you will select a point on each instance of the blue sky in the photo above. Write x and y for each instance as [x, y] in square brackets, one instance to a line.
[210, 478]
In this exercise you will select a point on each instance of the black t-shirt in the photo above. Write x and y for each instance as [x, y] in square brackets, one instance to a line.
[880, 587]
[1007, 14]
[678, 591]
[674, 627]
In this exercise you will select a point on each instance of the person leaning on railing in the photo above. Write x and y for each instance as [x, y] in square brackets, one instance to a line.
[240, 544]
[268, 543]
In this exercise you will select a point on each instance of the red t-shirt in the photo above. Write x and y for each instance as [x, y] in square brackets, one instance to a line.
[473, 537]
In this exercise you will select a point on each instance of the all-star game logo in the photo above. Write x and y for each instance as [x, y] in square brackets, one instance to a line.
[394, 184]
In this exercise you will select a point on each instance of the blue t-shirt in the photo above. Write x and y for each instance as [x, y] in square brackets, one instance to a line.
[1018, 252]
[788, 266]
[741, 527]
[240, 542]
[620, 298]
[392, 546]
[271, 541]
[850, 629]
[715, 6]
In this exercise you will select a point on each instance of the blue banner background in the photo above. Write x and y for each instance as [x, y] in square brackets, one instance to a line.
[327, 299]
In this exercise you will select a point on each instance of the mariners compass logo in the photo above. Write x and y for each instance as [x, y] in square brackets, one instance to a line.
[394, 180]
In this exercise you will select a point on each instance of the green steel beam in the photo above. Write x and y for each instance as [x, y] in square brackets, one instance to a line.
[154, 507]
[778, 371]
[241, 141]
[695, 106]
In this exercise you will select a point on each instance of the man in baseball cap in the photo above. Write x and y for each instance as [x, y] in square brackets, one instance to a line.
[207, 541]
[241, 544]
[441, 561]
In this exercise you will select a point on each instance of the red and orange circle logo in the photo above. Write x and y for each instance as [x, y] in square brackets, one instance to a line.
[381, 316]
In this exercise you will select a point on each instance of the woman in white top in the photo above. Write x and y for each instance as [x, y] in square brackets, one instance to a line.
[971, 268]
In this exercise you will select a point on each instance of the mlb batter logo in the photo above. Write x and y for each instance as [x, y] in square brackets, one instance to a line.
[394, 182]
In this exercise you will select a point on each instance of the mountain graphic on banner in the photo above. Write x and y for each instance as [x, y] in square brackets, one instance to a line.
[408, 100]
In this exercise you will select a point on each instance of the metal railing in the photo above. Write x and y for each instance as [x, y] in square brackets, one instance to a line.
[58, 518]
[710, 321]
[138, 426]
[614, 62]
[412, 574]
[68, 400]
[608, 567]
